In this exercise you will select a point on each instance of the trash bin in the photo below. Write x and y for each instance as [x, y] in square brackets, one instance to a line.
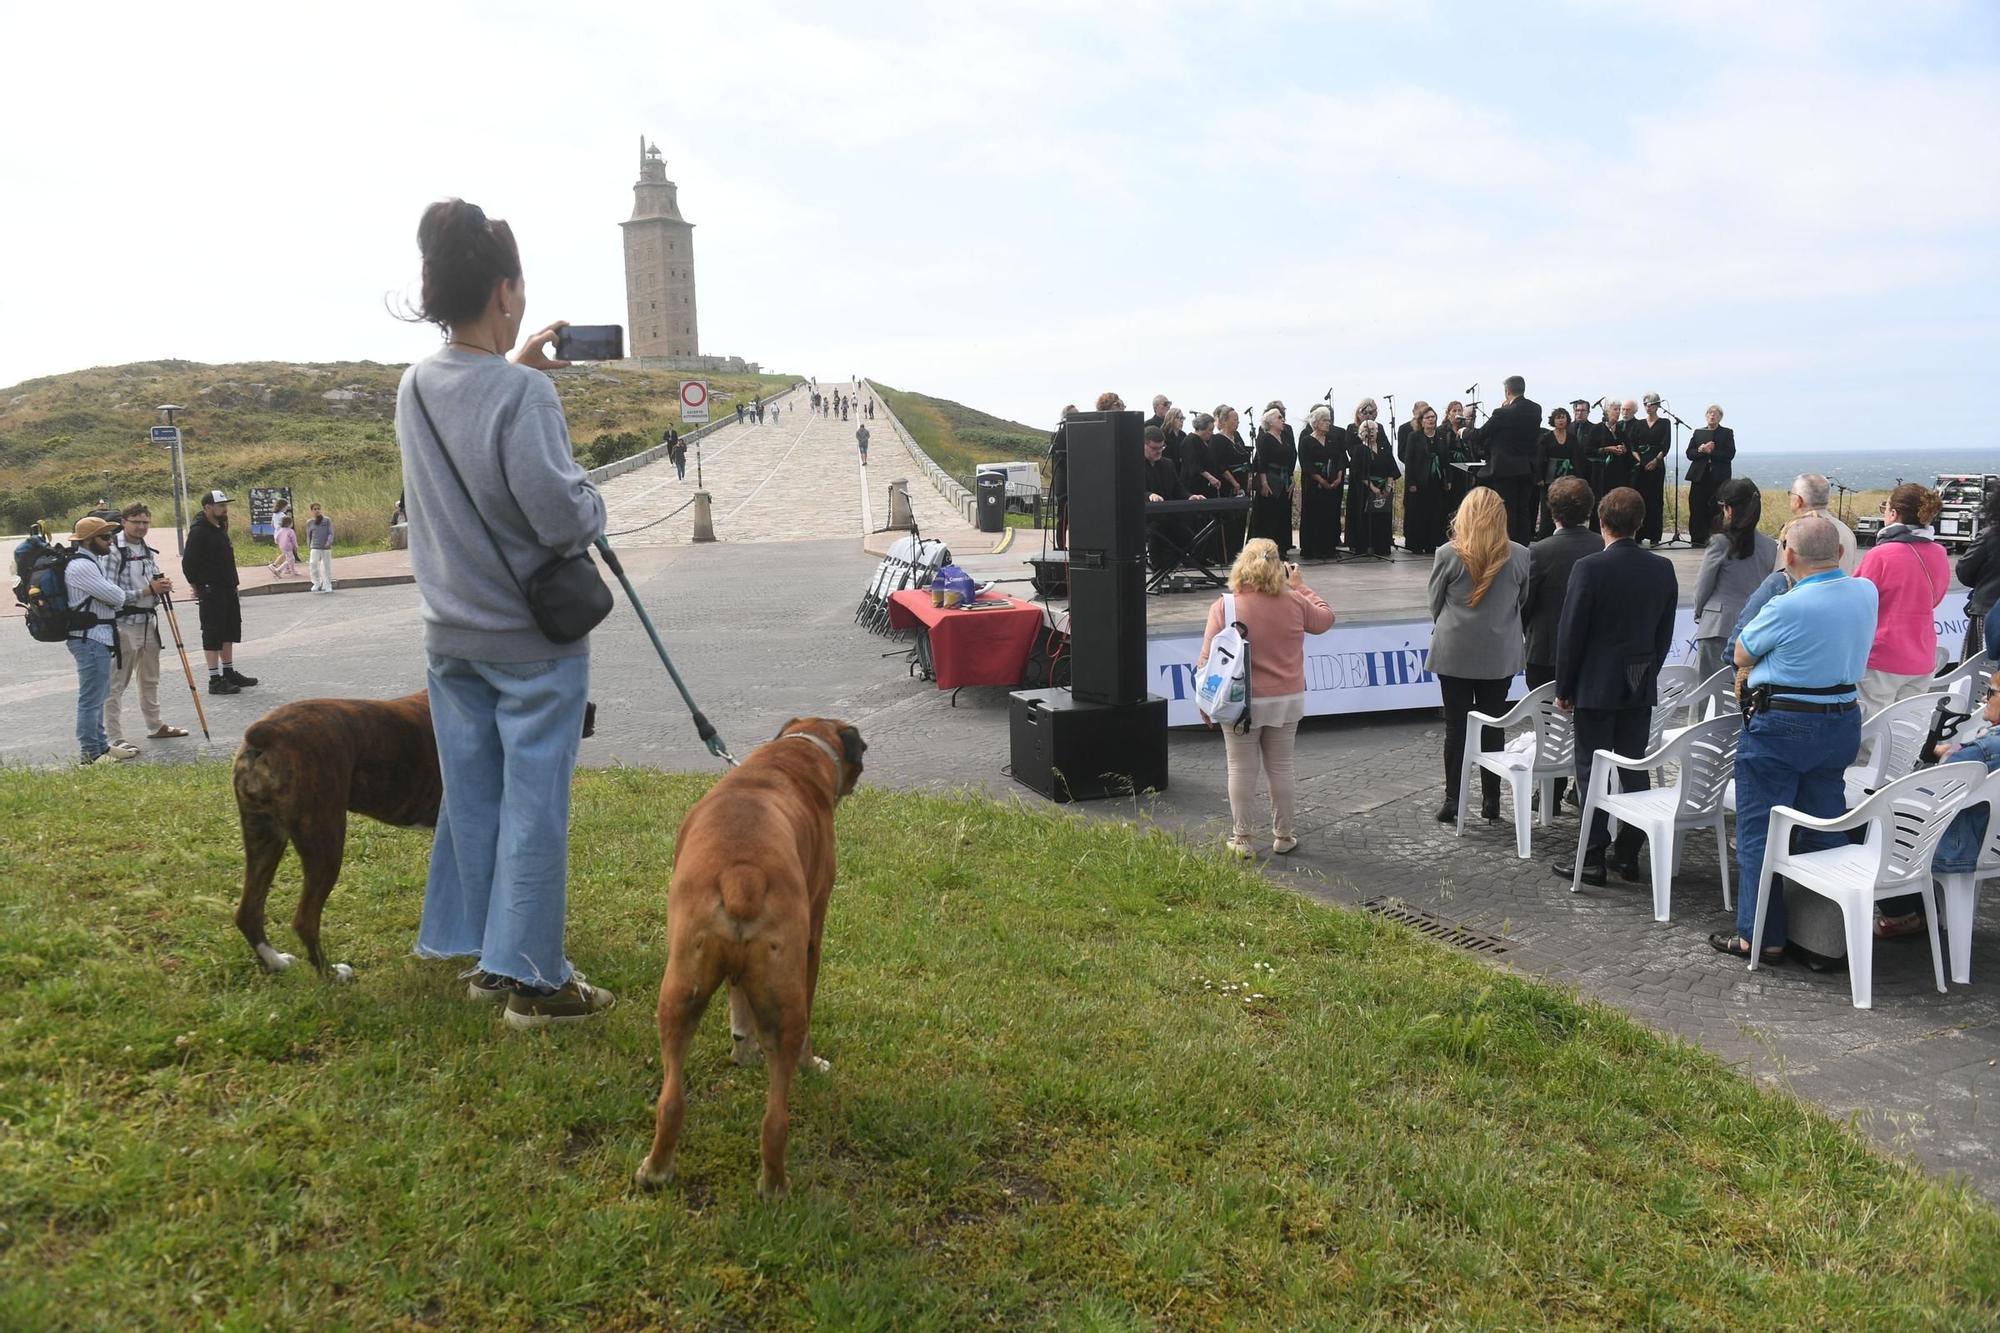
[991, 495]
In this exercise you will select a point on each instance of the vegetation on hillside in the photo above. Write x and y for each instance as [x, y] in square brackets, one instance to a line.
[66, 439]
[1084, 1076]
[958, 438]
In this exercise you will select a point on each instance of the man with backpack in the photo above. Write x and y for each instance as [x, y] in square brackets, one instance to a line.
[93, 602]
[210, 566]
[134, 566]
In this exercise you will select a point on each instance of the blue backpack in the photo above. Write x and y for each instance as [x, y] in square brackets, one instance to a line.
[43, 592]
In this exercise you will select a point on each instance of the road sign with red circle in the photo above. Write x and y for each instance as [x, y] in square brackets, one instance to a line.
[694, 402]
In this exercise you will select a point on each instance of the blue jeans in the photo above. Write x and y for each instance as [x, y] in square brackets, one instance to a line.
[507, 735]
[1795, 759]
[93, 682]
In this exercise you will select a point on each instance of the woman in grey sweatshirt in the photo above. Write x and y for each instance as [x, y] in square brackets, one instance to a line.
[506, 703]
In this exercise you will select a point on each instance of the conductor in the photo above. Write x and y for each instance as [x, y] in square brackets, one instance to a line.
[1509, 435]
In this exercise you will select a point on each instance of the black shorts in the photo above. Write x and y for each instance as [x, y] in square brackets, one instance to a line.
[221, 618]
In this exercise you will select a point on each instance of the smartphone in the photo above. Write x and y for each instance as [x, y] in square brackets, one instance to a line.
[591, 342]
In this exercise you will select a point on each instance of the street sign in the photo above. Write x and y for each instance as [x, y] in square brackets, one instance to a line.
[694, 402]
[167, 436]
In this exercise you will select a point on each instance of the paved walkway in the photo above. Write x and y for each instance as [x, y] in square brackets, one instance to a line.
[796, 478]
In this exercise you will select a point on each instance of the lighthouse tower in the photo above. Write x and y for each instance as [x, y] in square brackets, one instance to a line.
[659, 265]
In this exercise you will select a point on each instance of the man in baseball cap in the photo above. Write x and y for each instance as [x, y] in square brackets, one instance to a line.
[210, 566]
[95, 601]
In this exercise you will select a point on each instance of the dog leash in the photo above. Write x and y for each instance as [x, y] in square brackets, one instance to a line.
[702, 726]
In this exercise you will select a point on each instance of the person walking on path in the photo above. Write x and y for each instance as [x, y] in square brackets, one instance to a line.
[209, 565]
[1277, 611]
[1617, 627]
[1736, 560]
[95, 600]
[507, 703]
[286, 539]
[1806, 650]
[1479, 582]
[1550, 563]
[319, 537]
[861, 438]
[135, 566]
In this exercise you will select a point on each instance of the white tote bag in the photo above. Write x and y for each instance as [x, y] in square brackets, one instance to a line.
[1222, 689]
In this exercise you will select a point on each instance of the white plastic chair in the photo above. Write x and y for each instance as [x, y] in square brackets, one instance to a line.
[1904, 821]
[1896, 733]
[1714, 697]
[1704, 759]
[1961, 889]
[1966, 681]
[1669, 702]
[1552, 756]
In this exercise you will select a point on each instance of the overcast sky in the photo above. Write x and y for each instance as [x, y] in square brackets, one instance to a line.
[1789, 207]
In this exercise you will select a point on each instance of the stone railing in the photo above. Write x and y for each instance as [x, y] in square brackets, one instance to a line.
[941, 481]
[633, 462]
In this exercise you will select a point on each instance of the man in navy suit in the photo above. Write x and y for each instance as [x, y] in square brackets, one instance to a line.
[1510, 435]
[1617, 626]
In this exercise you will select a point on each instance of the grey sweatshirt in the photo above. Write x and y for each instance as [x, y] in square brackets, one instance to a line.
[486, 407]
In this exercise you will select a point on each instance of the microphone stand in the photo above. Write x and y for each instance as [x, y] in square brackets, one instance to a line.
[1679, 426]
[1843, 506]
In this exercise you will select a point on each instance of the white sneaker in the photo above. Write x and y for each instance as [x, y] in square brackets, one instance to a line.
[125, 748]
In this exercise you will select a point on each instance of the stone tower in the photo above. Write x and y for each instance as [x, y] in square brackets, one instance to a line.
[659, 265]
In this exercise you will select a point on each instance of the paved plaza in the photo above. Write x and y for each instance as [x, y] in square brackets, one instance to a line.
[761, 625]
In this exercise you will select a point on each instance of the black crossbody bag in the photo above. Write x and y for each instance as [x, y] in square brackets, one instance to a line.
[566, 596]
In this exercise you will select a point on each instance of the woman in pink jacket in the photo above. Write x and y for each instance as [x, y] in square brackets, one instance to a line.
[1911, 574]
[1277, 611]
[286, 566]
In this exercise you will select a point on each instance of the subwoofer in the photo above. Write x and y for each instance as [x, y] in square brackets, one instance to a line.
[1107, 629]
[1107, 485]
[1069, 750]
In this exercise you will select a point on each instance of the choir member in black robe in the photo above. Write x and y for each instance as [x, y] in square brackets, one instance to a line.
[1228, 450]
[1652, 442]
[1426, 460]
[1275, 461]
[1711, 455]
[1160, 405]
[1560, 452]
[1322, 473]
[1458, 449]
[1611, 446]
[1371, 490]
[1176, 450]
[1204, 471]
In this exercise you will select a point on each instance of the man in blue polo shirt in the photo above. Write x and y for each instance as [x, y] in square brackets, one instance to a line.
[1809, 646]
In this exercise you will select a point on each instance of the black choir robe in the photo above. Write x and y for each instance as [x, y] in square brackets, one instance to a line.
[1652, 441]
[1322, 475]
[1706, 472]
[1371, 531]
[1554, 460]
[1230, 452]
[1271, 514]
[1426, 461]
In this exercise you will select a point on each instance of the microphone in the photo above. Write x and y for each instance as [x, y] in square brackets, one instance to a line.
[1474, 389]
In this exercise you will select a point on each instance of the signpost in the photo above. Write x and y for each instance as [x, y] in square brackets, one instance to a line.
[169, 437]
[694, 402]
[265, 502]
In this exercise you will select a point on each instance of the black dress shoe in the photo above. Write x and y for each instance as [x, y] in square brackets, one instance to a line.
[237, 678]
[1627, 870]
[223, 685]
[1593, 870]
[1448, 813]
[1489, 810]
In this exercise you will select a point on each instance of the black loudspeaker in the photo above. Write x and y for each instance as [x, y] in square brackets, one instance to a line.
[1069, 750]
[1107, 628]
[1107, 484]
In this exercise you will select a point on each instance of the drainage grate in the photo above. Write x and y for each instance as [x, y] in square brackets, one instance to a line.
[1436, 927]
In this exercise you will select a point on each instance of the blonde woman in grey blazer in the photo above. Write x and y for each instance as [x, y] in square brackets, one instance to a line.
[1479, 581]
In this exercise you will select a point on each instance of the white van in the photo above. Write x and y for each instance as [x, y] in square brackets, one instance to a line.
[1024, 481]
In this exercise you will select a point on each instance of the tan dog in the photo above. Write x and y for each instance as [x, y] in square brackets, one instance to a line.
[753, 868]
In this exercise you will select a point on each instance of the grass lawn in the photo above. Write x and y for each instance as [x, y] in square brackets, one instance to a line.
[1082, 1076]
[959, 438]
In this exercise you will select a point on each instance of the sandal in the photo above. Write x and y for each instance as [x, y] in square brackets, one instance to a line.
[1895, 927]
[1737, 947]
[167, 733]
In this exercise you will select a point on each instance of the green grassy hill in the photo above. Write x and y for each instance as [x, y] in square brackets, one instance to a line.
[326, 429]
[958, 438]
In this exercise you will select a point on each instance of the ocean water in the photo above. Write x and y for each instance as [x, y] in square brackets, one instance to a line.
[1864, 469]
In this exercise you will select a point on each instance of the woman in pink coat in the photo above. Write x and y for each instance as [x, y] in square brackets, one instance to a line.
[1911, 574]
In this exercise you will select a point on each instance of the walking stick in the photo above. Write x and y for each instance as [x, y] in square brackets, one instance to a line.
[167, 601]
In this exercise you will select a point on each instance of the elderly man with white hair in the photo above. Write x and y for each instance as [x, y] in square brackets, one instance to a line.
[1810, 492]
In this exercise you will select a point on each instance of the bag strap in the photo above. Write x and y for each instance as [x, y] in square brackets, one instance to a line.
[445, 450]
[1929, 582]
[1228, 609]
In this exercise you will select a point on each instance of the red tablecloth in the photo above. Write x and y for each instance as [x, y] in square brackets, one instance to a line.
[970, 647]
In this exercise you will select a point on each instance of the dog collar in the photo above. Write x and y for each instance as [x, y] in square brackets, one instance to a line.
[839, 767]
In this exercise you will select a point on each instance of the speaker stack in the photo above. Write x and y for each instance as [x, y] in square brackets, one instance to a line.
[1105, 736]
